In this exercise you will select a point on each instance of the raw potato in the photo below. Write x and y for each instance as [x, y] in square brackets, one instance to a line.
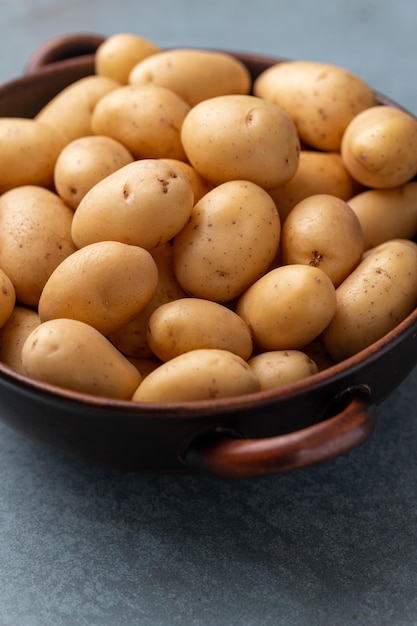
[74, 355]
[321, 99]
[147, 119]
[228, 243]
[35, 236]
[104, 284]
[281, 367]
[379, 147]
[144, 203]
[241, 137]
[84, 162]
[288, 307]
[193, 74]
[323, 231]
[374, 299]
[14, 334]
[7, 298]
[119, 53]
[199, 185]
[192, 323]
[204, 374]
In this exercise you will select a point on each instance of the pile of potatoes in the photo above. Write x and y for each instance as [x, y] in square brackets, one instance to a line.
[173, 230]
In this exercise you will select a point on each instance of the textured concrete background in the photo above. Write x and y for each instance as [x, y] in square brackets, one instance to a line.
[334, 544]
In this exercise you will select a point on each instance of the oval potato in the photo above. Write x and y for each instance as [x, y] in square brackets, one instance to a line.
[14, 334]
[281, 367]
[119, 53]
[7, 298]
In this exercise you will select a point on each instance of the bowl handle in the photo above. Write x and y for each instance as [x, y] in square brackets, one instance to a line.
[62, 48]
[226, 456]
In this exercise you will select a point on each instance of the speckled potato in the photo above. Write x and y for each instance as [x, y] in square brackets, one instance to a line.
[281, 367]
[104, 284]
[193, 323]
[193, 74]
[14, 334]
[119, 53]
[231, 238]
[379, 147]
[144, 203]
[321, 98]
[374, 299]
[241, 137]
[199, 185]
[74, 355]
[288, 307]
[204, 374]
[7, 298]
[35, 236]
[147, 119]
[323, 231]
[84, 162]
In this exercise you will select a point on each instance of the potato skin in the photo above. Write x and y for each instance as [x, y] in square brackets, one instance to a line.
[14, 334]
[7, 298]
[281, 367]
[119, 53]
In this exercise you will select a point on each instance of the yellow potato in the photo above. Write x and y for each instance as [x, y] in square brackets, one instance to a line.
[193, 74]
[104, 284]
[74, 355]
[323, 231]
[288, 307]
[144, 203]
[192, 323]
[14, 334]
[7, 298]
[199, 185]
[28, 152]
[373, 299]
[119, 53]
[35, 236]
[321, 98]
[379, 147]
[241, 137]
[84, 162]
[230, 240]
[204, 374]
[281, 367]
[147, 119]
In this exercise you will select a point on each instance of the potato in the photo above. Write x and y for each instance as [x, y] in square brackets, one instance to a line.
[74, 355]
[373, 299]
[241, 137]
[28, 152]
[199, 185]
[321, 98]
[280, 367]
[7, 298]
[193, 74]
[35, 236]
[379, 147]
[144, 203]
[84, 162]
[104, 284]
[323, 231]
[14, 334]
[288, 307]
[119, 53]
[147, 119]
[192, 323]
[204, 374]
[228, 243]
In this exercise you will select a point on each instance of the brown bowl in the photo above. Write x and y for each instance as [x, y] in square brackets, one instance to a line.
[263, 433]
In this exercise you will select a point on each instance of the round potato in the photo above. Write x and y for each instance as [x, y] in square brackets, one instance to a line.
[204, 374]
[231, 238]
[7, 298]
[119, 53]
[241, 137]
[74, 355]
[144, 203]
[14, 334]
[281, 367]
[104, 284]
[288, 307]
[199, 185]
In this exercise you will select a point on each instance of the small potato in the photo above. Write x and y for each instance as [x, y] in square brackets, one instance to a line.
[199, 185]
[373, 299]
[323, 231]
[204, 374]
[74, 355]
[321, 98]
[84, 162]
[35, 236]
[241, 137]
[192, 323]
[7, 298]
[228, 243]
[104, 284]
[379, 147]
[144, 203]
[193, 74]
[119, 53]
[14, 334]
[288, 307]
[147, 119]
[281, 367]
